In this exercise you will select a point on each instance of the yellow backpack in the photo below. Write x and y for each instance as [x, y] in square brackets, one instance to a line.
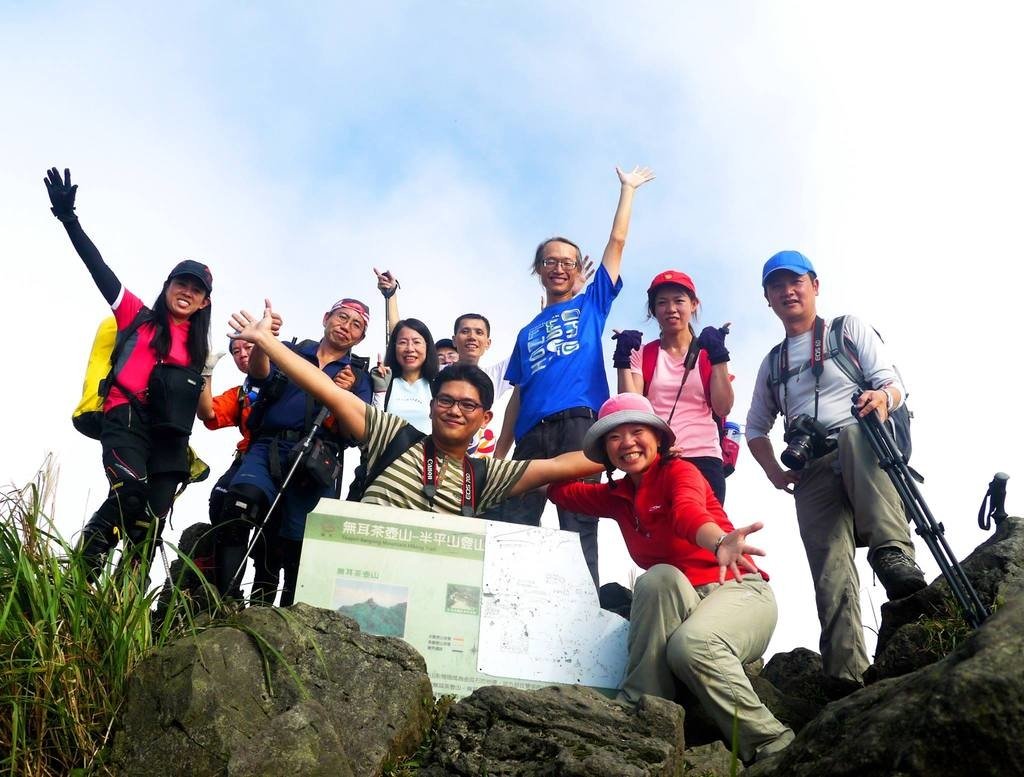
[106, 346]
[106, 350]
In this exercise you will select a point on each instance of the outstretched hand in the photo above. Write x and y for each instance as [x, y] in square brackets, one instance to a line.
[62, 194]
[733, 552]
[244, 326]
[636, 178]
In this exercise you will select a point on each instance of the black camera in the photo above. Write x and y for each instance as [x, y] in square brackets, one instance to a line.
[806, 439]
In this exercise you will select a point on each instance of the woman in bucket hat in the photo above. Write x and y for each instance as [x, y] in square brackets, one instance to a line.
[702, 608]
[688, 402]
[152, 392]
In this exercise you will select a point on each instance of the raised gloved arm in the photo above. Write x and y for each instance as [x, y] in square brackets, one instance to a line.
[62, 201]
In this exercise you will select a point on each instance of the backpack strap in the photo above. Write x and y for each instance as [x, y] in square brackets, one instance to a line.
[387, 394]
[649, 356]
[704, 368]
[843, 352]
[775, 374]
[117, 356]
[405, 439]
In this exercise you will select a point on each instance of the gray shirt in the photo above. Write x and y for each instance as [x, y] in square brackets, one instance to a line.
[836, 396]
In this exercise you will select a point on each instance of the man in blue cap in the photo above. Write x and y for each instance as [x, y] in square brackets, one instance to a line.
[843, 498]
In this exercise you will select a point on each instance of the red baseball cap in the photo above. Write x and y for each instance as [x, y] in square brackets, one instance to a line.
[672, 276]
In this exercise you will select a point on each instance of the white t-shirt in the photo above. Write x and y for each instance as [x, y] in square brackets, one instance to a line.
[408, 401]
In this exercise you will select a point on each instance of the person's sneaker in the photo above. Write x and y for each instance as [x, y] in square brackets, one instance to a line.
[897, 572]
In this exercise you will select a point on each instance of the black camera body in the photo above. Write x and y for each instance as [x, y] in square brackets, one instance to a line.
[806, 439]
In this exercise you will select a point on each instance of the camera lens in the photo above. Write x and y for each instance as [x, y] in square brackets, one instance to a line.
[798, 452]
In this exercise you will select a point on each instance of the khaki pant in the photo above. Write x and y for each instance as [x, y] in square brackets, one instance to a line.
[843, 501]
[703, 636]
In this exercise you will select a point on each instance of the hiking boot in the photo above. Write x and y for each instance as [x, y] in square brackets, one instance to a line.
[897, 572]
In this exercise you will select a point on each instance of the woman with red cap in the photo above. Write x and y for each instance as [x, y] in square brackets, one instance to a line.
[702, 608]
[661, 371]
[153, 388]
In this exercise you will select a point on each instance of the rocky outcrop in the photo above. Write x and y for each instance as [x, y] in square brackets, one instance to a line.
[921, 629]
[961, 716]
[299, 691]
[557, 732]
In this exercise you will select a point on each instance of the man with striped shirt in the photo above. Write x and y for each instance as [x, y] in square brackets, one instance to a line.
[434, 474]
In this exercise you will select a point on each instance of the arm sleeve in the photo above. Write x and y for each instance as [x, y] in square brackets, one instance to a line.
[586, 498]
[763, 407]
[689, 501]
[102, 276]
[227, 410]
[602, 291]
[502, 475]
[513, 374]
[874, 361]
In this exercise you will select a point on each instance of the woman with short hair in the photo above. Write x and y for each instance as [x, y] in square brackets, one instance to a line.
[702, 608]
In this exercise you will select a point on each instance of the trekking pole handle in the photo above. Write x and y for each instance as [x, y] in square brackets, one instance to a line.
[995, 497]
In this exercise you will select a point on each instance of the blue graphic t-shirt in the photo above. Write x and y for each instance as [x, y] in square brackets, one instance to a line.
[558, 361]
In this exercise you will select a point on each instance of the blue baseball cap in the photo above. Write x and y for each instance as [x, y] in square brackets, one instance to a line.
[794, 261]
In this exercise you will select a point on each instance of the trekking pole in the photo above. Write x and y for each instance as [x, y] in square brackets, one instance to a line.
[304, 447]
[890, 458]
[995, 498]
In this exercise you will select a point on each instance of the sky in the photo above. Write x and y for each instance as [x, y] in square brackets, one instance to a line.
[294, 150]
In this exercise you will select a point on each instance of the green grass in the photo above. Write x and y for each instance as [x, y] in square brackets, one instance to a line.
[67, 646]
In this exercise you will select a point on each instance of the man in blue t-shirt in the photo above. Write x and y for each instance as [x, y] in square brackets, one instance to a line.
[557, 366]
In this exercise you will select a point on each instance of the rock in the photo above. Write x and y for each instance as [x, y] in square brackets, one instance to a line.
[797, 673]
[332, 701]
[960, 716]
[918, 630]
[557, 732]
[712, 760]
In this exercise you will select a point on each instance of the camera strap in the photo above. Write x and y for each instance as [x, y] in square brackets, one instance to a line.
[431, 470]
[817, 365]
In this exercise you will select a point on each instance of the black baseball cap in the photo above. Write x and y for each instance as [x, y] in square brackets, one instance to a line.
[196, 270]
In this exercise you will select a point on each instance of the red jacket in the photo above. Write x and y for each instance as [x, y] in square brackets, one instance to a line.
[659, 518]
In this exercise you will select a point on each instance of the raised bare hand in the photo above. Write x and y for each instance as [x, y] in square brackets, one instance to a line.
[635, 178]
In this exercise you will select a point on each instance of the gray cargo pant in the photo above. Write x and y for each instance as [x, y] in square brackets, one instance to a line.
[844, 500]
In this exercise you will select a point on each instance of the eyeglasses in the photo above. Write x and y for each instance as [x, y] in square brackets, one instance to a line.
[565, 264]
[467, 406]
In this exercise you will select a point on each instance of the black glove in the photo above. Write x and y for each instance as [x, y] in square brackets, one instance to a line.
[62, 194]
[627, 341]
[712, 340]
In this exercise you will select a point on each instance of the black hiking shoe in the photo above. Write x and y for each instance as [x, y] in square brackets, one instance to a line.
[897, 572]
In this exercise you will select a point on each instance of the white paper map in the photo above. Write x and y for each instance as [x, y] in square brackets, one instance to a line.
[420, 576]
[540, 618]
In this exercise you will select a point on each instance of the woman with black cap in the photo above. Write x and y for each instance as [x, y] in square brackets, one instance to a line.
[687, 622]
[151, 392]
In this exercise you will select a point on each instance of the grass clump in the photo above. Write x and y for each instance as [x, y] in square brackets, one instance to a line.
[67, 645]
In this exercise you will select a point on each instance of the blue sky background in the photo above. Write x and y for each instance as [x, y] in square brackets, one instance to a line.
[294, 149]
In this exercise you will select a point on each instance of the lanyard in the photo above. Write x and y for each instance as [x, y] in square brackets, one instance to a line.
[817, 365]
[689, 362]
[431, 469]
